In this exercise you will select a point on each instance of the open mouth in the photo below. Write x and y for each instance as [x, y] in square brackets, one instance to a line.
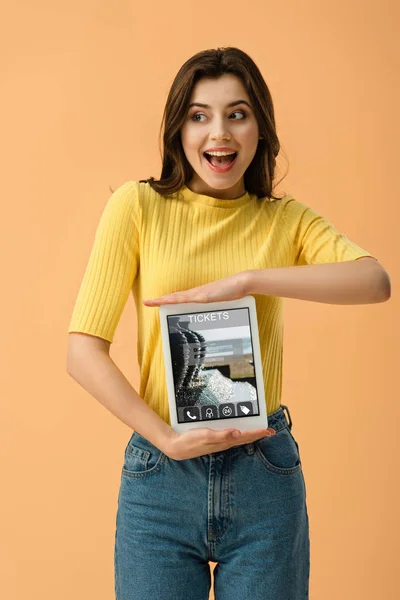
[220, 161]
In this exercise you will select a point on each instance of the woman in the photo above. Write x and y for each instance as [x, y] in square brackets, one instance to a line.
[210, 229]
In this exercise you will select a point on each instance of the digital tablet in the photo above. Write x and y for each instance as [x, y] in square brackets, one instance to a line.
[213, 365]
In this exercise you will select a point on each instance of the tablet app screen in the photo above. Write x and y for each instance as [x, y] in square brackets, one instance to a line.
[213, 365]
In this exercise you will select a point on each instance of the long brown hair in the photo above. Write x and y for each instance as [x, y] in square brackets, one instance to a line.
[176, 170]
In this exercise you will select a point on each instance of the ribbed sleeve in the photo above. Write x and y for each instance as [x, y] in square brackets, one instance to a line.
[112, 266]
[315, 239]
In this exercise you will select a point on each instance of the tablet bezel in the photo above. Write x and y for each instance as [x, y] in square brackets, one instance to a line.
[243, 423]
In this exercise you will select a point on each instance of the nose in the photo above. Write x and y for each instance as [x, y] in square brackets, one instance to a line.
[221, 137]
[220, 131]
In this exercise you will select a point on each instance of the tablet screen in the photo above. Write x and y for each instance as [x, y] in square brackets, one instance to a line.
[213, 365]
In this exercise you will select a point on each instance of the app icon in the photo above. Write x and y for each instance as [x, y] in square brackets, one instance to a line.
[191, 413]
[209, 412]
[227, 409]
[244, 409]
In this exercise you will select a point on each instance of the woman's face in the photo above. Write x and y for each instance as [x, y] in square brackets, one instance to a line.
[234, 127]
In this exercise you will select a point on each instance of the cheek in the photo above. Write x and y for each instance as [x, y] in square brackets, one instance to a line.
[192, 143]
[249, 135]
[192, 138]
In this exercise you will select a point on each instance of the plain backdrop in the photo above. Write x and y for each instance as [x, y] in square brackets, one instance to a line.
[83, 88]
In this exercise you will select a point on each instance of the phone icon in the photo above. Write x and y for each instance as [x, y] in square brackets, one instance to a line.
[191, 413]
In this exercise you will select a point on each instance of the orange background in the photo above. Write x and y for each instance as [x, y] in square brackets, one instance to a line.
[83, 87]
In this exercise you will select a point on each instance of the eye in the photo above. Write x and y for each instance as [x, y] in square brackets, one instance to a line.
[240, 112]
[193, 117]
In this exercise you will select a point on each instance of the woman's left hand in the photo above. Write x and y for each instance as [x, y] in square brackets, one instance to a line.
[228, 288]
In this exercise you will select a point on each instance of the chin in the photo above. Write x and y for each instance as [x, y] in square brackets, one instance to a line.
[219, 181]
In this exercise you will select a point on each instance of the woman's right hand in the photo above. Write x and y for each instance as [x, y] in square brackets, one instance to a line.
[203, 440]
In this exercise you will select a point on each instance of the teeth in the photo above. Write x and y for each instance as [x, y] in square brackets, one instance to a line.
[219, 153]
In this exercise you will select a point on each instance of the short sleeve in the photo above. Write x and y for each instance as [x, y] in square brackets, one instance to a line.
[314, 239]
[112, 266]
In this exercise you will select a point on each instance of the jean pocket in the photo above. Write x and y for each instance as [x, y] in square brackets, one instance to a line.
[141, 457]
[279, 453]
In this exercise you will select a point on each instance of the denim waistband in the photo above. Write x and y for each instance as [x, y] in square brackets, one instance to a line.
[277, 420]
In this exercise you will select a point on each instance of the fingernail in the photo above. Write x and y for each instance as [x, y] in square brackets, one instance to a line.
[235, 434]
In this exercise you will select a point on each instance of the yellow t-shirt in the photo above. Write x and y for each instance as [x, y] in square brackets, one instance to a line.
[152, 246]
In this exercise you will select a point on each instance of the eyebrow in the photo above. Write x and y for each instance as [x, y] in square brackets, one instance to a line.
[228, 105]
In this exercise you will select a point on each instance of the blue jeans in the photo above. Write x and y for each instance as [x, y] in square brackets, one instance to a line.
[243, 508]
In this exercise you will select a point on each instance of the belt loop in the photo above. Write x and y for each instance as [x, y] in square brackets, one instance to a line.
[288, 413]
